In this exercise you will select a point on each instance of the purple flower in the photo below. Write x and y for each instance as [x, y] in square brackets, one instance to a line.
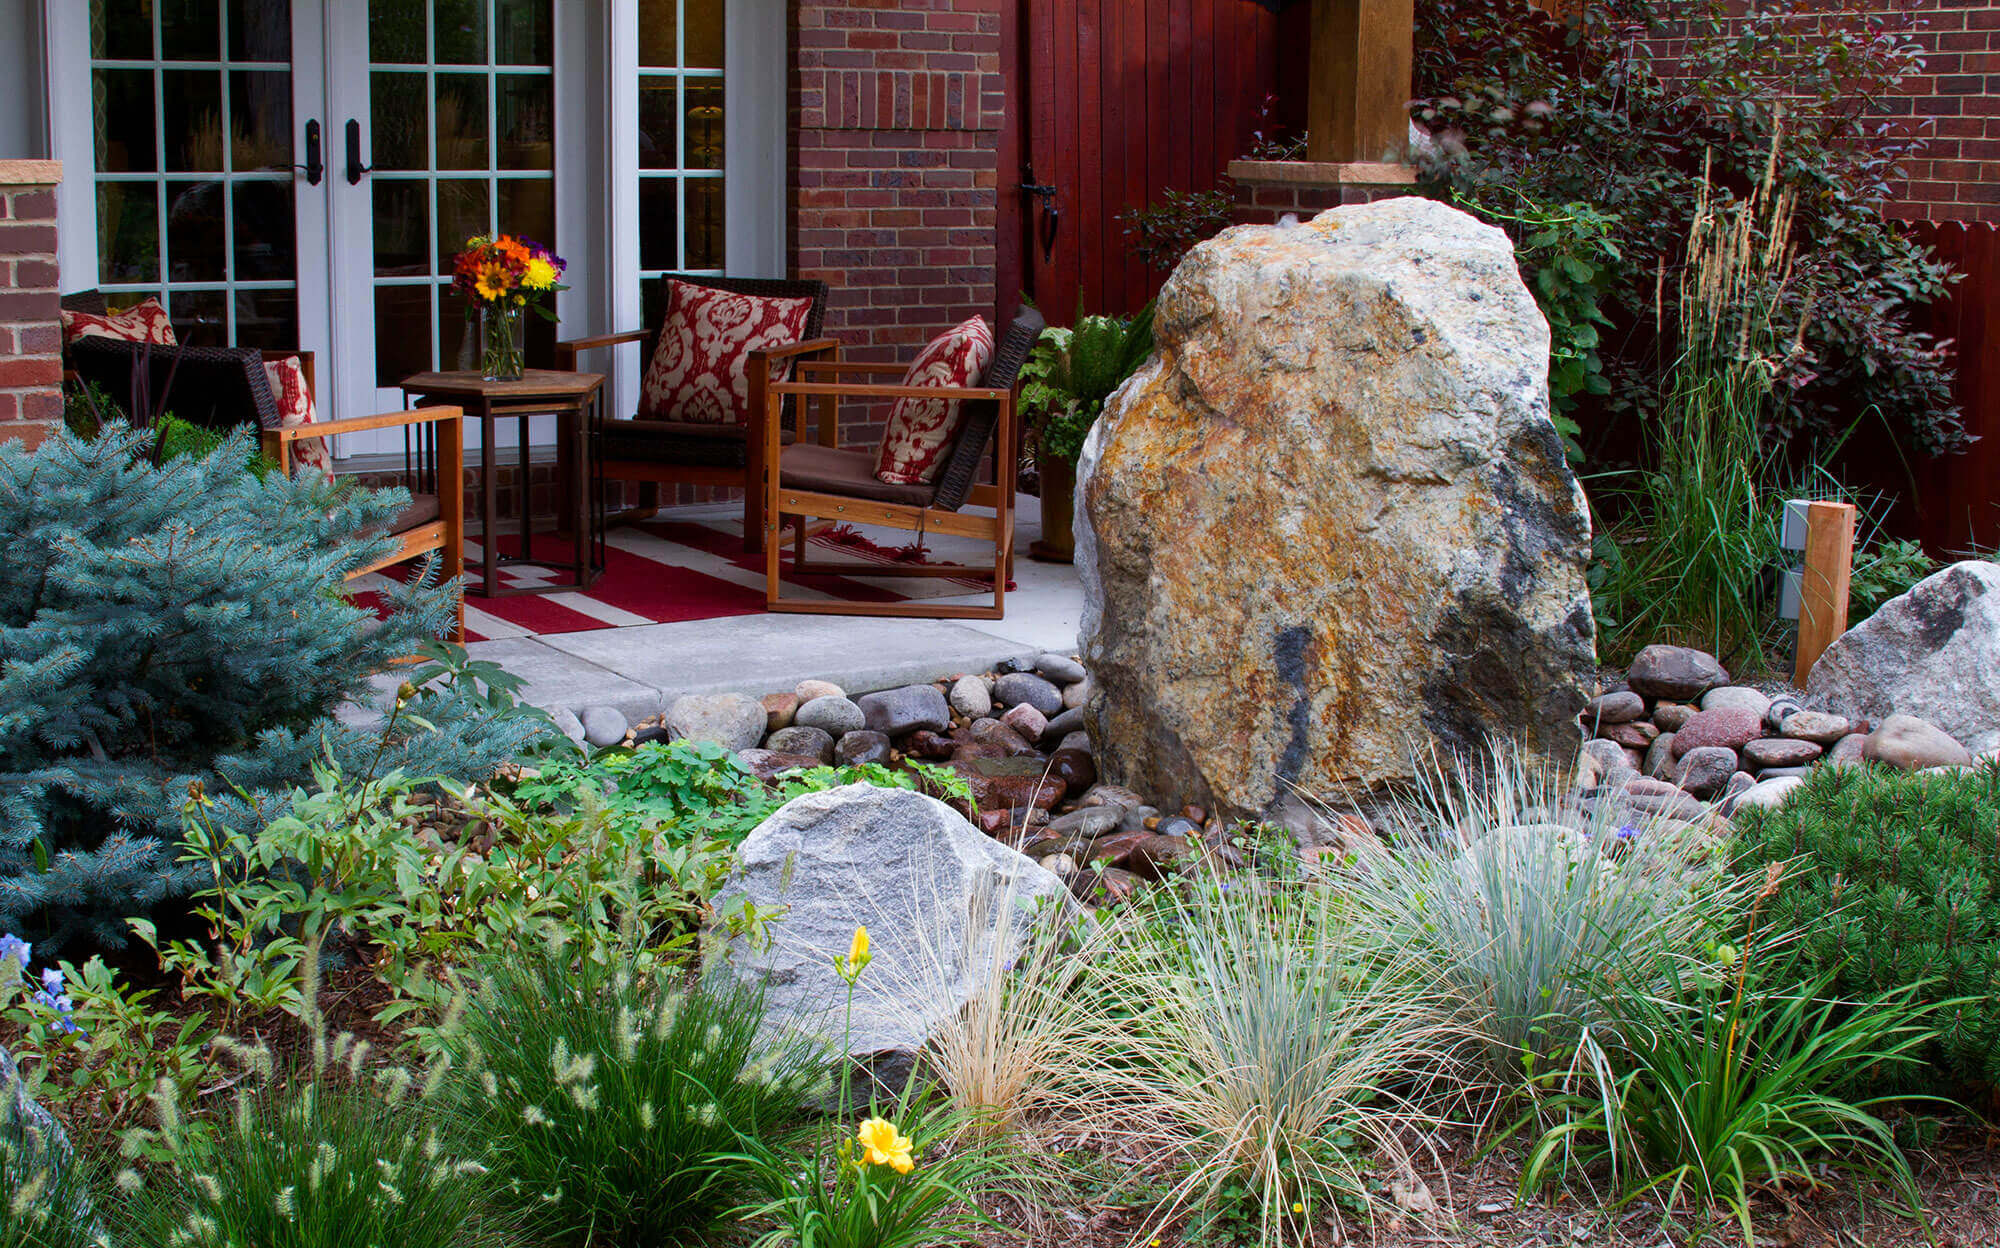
[12, 946]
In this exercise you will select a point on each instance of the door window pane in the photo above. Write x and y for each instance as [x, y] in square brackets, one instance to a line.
[403, 327]
[196, 232]
[260, 30]
[704, 124]
[704, 223]
[460, 32]
[526, 116]
[200, 317]
[397, 33]
[192, 102]
[461, 121]
[121, 30]
[400, 114]
[682, 128]
[126, 136]
[268, 319]
[263, 229]
[659, 223]
[402, 227]
[525, 29]
[128, 232]
[260, 114]
[659, 123]
[659, 34]
[190, 30]
[703, 45]
[528, 207]
[465, 208]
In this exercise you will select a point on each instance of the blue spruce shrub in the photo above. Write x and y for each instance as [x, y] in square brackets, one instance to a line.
[162, 624]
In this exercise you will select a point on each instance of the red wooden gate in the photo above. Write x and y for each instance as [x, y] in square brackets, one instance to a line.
[1958, 502]
[1124, 99]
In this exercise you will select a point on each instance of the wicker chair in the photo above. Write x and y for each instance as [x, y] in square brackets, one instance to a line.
[818, 480]
[674, 452]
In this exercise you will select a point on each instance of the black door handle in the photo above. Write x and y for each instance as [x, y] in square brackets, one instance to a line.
[354, 166]
[315, 166]
[1049, 220]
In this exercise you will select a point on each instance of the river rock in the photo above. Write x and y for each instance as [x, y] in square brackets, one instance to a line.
[606, 725]
[1086, 822]
[1015, 688]
[1705, 769]
[1026, 720]
[834, 715]
[1932, 653]
[1607, 709]
[1680, 673]
[1739, 697]
[1059, 669]
[1659, 761]
[735, 721]
[1111, 795]
[1669, 716]
[779, 708]
[1767, 794]
[1637, 735]
[897, 711]
[943, 905]
[1731, 727]
[971, 698]
[1849, 751]
[1062, 725]
[807, 690]
[1329, 520]
[1002, 734]
[860, 747]
[1818, 727]
[1075, 768]
[568, 724]
[1767, 752]
[801, 739]
[1076, 695]
[770, 764]
[1913, 744]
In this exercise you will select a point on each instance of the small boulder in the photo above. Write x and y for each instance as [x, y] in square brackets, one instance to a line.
[860, 747]
[998, 733]
[1596, 759]
[1075, 768]
[568, 724]
[1636, 735]
[1677, 672]
[1670, 716]
[1659, 762]
[800, 739]
[734, 721]
[1074, 741]
[1740, 697]
[897, 711]
[606, 725]
[770, 764]
[1062, 725]
[1059, 669]
[1767, 794]
[1015, 688]
[971, 698]
[1111, 795]
[779, 708]
[807, 690]
[1026, 720]
[1086, 822]
[832, 714]
[1731, 727]
[1849, 751]
[1705, 769]
[1076, 695]
[1818, 727]
[1766, 752]
[1607, 709]
[1914, 744]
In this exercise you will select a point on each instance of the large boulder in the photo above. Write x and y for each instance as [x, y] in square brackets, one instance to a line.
[1933, 653]
[944, 905]
[1330, 522]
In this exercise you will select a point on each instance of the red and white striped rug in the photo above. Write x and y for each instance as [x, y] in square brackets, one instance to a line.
[692, 566]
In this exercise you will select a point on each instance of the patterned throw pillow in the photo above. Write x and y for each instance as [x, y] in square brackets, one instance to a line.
[699, 372]
[145, 321]
[920, 430]
[296, 406]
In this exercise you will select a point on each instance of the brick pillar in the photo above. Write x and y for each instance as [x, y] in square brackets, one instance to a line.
[896, 115]
[30, 329]
[1269, 189]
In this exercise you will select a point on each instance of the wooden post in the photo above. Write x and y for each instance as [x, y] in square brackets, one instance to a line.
[1358, 95]
[1823, 585]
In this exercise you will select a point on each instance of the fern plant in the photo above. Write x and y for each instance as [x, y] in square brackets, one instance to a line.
[1071, 373]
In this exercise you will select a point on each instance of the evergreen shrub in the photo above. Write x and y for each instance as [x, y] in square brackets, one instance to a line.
[1895, 879]
[165, 624]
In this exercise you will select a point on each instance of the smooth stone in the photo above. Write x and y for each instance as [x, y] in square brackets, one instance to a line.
[1059, 864]
[1075, 768]
[833, 715]
[1152, 857]
[606, 725]
[1659, 763]
[1636, 735]
[1076, 695]
[1739, 784]
[970, 697]
[975, 749]
[1818, 727]
[1136, 819]
[1060, 669]
[1010, 782]
[649, 734]
[800, 739]
[807, 690]
[1778, 773]
[931, 745]
[1907, 742]
[1086, 822]
[1111, 795]
[1015, 688]
[1705, 769]
[861, 746]
[770, 764]
[1595, 759]
[1646, 786]
[1767, 794]
[1783, 707]
[1849, 751]
[1002, 734]
[1737, 697]
[734, 721]
[897, 711]
[779, 710]
[1017, 665]
[1607, 709]
[1026, 720]
[1730, 727]
[1675, 805]
[1676, 672]
[1074, 741]
[1063, 724]
[568, 724]
[1768, 752]
[1108, 887]
[1619, 777]
[1671, 716]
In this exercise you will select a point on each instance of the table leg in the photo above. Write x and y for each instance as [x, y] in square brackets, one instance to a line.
[489, 499]
[526, 495]
[575, 500]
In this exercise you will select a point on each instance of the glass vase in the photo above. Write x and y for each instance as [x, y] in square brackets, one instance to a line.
[500, 339]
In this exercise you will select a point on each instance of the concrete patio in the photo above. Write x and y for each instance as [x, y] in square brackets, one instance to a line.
[640, 670]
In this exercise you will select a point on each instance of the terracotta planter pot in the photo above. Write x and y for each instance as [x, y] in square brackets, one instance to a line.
[1058, 540]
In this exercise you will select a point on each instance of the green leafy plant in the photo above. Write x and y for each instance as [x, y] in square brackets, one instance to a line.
[606, 1100]
[1893, 882]
[53, 1198]
[1160, 233]
[1071, 372]
[1885, 569]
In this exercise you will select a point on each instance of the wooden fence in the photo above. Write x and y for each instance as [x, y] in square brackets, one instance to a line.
[1958, 497]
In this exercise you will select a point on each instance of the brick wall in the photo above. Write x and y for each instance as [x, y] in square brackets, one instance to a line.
[30, 330]
[896, 109]
[1953, 106]
[1267, 190]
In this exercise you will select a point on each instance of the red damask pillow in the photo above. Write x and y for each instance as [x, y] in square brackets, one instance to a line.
[920, 430]
[699, 372]
[145, 321]
[297, 407]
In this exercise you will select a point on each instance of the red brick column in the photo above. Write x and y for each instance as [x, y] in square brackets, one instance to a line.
[1267, 190]
[30, 329]
[896, 112]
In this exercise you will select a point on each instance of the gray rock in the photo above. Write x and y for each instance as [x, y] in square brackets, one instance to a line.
[833, 715]
[1738, 697]
[1060, 865]
[1636, 735]
[1818, 727]
[606, 725]
[1134, 819]
[1060, 669]
[1111, 795]
[1932, 653]
[1767, 752]
[908, 709]
[1849, 751]
[1062, 725]
[1767, 794]
[1361, 392]
[1016, 688]
[1732, 727]
[1075, 741]
[1783, 707]
[807, 690]
[863, 745]
[1913, 744]
[1595, 760]
[1669, 716]
[1619, 777]
[1740, 783]
[568, 724]
[1676, 672]
[942, 902]
[1076, 695]
[802, 739]
[1660, 762]
[1607, 709]
[1086, 821]
[1705, 769]
[971, 698]
[1674, 805]
[734, 721]
[1778, 773]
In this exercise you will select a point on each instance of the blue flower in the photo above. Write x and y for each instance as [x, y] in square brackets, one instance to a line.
[52, 997]
[12, 946]
[1626, 832]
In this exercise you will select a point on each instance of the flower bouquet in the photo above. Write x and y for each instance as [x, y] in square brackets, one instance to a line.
[500, 278]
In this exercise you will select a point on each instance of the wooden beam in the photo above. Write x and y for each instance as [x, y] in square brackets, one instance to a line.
[1358, 97]
[1823, 586]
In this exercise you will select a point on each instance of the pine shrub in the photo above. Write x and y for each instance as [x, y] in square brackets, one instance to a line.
[1895, 880]
[176, 623]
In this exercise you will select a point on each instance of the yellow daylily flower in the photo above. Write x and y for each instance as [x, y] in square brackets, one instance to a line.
[849, 965]
[885, 1146]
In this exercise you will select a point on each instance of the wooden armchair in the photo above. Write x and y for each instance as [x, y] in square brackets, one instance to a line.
[818, 480]
[676, 452]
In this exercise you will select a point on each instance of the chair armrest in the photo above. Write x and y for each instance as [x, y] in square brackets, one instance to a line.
[811, 346]
[360, 424]
[566, 351]
[866, 390]
[813, 368]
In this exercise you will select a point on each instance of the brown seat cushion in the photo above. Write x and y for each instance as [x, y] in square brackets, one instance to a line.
[676, 442]
[423, 509]
[810, 466]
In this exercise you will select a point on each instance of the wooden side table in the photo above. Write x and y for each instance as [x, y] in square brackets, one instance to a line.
[576, 400]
